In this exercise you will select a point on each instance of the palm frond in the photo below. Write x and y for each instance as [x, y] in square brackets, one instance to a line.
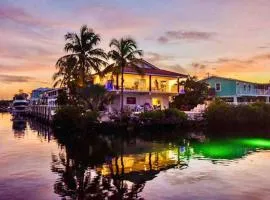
[109, 69]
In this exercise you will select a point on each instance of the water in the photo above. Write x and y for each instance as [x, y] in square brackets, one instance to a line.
[37, 164]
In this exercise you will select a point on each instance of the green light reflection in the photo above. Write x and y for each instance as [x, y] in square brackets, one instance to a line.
[230, 148]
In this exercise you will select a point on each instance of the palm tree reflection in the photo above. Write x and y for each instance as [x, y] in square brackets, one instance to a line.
[107, 168]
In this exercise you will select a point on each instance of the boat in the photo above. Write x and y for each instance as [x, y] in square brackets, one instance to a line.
[20, 105]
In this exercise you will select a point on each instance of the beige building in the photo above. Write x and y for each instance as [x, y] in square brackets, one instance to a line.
[154, 88]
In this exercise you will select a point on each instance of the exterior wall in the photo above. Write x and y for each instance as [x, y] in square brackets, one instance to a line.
[141, 99]
[228, 87]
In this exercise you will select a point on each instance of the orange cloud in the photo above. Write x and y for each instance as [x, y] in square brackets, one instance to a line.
[247, 69]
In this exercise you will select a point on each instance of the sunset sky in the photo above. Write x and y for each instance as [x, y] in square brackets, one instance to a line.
[222, 37]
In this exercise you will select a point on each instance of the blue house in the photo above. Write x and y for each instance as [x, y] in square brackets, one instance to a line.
[36, 94]
[235, 91]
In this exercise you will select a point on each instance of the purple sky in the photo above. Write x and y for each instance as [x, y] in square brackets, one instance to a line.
[229, 38]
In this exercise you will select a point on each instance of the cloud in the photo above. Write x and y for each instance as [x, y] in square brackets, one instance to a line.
[234, 67]
[156, 57]
[21, 16]
[263, 47]
[15, 79]
[177, 68]
[231, 60]
[172, 36]
[237, 61]
[6, 78]
[262, 57]
[117, 20]
[198, 66]
[163, 61]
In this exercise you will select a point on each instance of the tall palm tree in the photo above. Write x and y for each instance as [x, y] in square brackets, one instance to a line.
[66, 73]
[124, 52]
[82, 48]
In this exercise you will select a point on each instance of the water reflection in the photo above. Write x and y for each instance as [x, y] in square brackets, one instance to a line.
[44, 131]
[98, 166]
[18, 126]
[121, 165]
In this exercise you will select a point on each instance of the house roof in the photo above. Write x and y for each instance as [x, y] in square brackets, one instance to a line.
[232, 79]
[149, 69]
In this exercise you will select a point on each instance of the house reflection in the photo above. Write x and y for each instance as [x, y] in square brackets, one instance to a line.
[113, 169]
[143, 163]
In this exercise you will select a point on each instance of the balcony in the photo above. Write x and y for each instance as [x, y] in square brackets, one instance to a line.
[139, 83]
[253, 92]
[142, 88]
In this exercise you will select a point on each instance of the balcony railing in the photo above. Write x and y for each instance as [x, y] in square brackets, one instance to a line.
[145, 89]
[253, 92]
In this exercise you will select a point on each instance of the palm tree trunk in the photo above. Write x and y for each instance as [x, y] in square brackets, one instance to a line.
[117, 81]
[122, 90]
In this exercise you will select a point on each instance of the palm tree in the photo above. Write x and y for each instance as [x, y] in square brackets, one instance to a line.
[95, 97]
[83, 57]
[124, 53]
[66, 73]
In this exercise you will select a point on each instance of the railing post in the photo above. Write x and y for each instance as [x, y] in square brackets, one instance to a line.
[178, 85]
[150, 83]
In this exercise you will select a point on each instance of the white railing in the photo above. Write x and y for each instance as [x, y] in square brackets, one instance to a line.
[43, 111]
[153, 90]
[253, 92]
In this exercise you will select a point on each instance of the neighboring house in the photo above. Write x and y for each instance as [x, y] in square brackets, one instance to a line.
[155, 87]
[45, 96]
[36, 95]
[50, 97]
[238, 91]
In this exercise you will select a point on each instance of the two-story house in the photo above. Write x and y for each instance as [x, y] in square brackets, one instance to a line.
[154, 87]
[238, 91]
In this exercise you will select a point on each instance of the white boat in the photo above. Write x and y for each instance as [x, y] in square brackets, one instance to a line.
[20, 106]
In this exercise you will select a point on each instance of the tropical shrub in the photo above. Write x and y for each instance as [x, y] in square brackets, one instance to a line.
[222, 115]
[175, 115]
[152, 115]
[94, 97]
[90, 117]
[218, 113]
[168, 116]
[67, 117]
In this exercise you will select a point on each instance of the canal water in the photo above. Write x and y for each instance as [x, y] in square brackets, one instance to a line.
[36, 163]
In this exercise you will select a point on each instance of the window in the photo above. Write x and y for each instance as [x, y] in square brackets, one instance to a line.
[163, 85]
[218, 87]
[131, 100]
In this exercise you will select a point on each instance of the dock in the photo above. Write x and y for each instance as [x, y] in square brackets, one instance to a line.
[42, 112]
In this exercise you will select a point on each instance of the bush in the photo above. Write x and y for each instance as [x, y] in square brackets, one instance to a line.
[67, 117]
[168, 116]
[218, 113]
[153, 115]
[174, 115]
[222, 115]
[91, 117]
